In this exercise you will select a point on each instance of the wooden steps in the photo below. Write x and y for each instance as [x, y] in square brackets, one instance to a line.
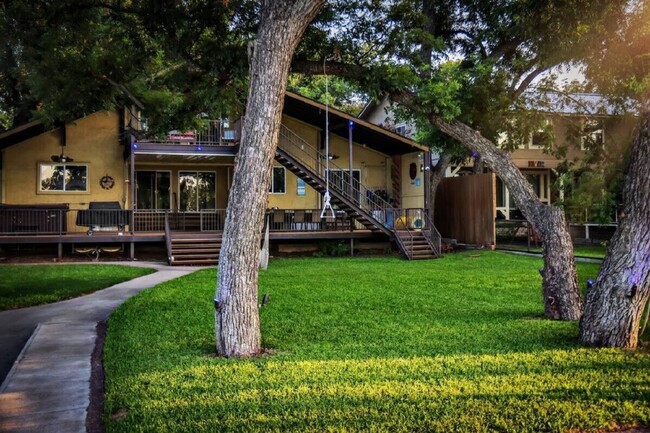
[194, 250]
[415, 245]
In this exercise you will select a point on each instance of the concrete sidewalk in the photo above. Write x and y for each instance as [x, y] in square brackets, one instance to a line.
[48, 388]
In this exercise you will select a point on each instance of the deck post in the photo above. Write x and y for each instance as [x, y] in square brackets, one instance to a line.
[132, 251]
[60, 250]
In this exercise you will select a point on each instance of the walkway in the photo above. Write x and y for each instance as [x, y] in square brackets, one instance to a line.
[48, 388]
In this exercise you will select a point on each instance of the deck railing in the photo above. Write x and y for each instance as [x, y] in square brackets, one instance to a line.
[46, 221]
[209, 133]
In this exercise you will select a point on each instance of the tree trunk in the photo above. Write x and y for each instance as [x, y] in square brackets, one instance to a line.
[560, 283]
[478, 165]
[437, 174]
[615, 303]
[237, 324]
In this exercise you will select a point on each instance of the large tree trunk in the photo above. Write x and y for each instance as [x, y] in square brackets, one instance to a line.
[436, 176]
[560, 283]
[615, 303]
[237, 317]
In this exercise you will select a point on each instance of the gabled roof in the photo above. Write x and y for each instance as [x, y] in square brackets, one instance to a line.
[21, 133]
[373, 136]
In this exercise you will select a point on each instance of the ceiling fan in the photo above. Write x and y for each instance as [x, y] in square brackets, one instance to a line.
[62, 157]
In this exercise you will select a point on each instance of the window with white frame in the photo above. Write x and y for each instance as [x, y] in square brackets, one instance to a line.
[59, 177]
[400, 129]
[278, 181]
[540, 137]
[593, 134]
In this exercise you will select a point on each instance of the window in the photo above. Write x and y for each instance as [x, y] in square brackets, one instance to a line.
[63, 177]
[401, 129]
[153, 189]
[540, 138]
[278, 181]
[197, 190]
[593, 135]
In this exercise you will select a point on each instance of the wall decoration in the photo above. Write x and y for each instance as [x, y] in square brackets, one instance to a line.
[300, 187]
[107, 182]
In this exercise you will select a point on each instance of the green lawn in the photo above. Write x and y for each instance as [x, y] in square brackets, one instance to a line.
[27, 285]
[378, 344]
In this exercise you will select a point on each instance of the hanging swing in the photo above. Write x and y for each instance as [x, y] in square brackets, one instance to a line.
[327, 205]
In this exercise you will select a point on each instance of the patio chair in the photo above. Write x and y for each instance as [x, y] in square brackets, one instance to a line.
[278, 219]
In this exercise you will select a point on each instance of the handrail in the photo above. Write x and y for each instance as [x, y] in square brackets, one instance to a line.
[432, 235]
[312, 158]
[168, 239]
[398, 220]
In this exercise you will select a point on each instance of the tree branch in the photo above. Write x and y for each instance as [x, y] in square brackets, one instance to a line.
[527, 80]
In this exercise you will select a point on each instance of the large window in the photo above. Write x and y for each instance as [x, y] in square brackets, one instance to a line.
[153, 189]
[197, 190]
[593, 135]
[278, 181]
[63, 177]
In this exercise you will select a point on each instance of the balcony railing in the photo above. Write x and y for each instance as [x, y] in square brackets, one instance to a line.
[210, 133]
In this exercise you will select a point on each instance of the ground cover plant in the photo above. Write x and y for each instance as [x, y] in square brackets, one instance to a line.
[379, 344]
[27, 285]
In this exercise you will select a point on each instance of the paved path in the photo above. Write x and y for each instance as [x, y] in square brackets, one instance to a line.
[48, 388]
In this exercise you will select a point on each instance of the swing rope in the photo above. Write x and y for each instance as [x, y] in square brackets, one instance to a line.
[326, 197]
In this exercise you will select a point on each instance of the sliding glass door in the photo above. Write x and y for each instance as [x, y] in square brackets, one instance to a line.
[197, 190]
[153, 189]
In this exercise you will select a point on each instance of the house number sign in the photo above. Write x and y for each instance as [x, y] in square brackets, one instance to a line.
[107, 182]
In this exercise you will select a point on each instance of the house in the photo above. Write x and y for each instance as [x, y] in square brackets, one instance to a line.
[575, 122]
[91, 184]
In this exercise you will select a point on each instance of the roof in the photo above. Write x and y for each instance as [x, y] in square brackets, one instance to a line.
[579, 104]
[21, 133]
[296, 106]
[373, 136]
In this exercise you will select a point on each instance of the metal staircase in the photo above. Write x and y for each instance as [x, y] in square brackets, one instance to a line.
[358, 201]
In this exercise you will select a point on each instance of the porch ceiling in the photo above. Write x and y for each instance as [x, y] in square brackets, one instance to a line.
[364, 133]
[183, 159]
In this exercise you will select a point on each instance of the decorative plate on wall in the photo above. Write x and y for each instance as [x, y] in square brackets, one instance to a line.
[107, 182]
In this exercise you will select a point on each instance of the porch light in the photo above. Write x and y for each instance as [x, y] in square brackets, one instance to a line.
[590, 284]
[541, 272]
[350, 124]
[198, 147]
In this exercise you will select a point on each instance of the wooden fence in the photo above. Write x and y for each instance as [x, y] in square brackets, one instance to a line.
[465, 209]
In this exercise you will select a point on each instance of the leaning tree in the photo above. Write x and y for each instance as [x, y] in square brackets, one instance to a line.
[504, 47]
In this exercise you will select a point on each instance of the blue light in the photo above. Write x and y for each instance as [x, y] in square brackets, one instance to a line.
[135, 145]
[590, 284]
[198, 148]
[350, 124]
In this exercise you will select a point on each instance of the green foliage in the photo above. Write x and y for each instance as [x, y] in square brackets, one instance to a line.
[27, 285]
[453, 345]
[341, 94]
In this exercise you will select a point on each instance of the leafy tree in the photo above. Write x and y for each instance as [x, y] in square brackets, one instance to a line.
[615, 304]
[501, 47]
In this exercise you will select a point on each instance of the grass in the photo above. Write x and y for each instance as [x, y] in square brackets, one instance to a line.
[381, 344]
[28, 285]
[589, 251]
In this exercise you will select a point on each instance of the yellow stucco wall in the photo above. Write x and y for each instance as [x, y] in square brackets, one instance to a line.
[412, 189]
[92, 140]
[374, 167]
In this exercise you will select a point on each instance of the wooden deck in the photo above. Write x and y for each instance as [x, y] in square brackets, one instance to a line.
[129, 240]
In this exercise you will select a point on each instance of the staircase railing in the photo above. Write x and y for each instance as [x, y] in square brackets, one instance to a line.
[431, 233]
[341, 182]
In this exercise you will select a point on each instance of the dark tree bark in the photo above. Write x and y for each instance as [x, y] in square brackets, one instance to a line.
[560, 290]
[615, 303]
[237, 316]
[478, 165]
[437, 174]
